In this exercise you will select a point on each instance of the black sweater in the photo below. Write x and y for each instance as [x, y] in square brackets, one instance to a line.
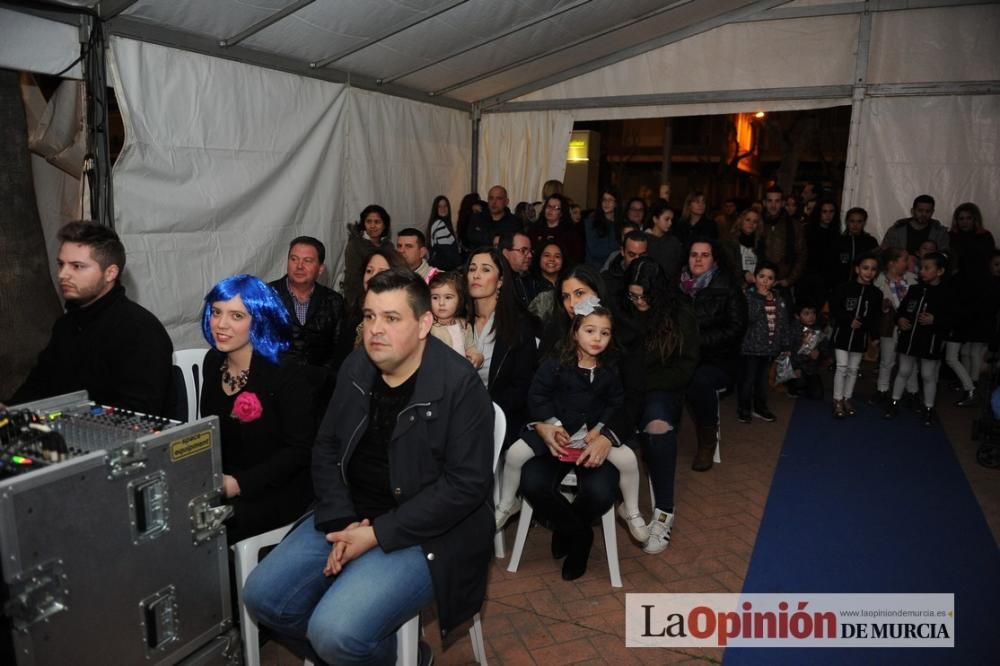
[114, 348]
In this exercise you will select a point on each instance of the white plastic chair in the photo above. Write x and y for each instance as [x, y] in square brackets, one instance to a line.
[246, 557]
[607, 525]
[499, 431]
[189, 361]
[408, 642]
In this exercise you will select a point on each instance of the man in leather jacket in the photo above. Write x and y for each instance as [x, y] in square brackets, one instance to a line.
[403, 472]
[316, 312]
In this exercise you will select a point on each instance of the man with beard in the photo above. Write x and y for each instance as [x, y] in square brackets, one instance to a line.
[105, 343]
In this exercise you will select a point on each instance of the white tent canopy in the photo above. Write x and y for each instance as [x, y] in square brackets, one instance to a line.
[251, 122]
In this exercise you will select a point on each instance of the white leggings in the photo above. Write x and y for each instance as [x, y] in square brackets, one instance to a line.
[622, 457]
[928, 372]
[951, 350]
[886, 362]
[846, 374]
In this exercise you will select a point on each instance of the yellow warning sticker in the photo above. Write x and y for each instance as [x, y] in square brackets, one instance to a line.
[190, 446]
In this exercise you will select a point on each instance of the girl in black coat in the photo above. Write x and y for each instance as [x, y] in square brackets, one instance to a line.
[855, 310]
[925, 317]
[571, 400]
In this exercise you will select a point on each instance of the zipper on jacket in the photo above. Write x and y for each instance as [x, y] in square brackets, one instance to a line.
[913, 328]
[352, 441]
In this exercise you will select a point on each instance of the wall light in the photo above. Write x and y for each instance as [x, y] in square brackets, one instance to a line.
[759, 114]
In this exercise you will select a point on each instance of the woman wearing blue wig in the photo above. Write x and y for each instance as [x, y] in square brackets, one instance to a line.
[265, 410]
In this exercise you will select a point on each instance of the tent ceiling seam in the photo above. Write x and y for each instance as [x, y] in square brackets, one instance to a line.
[774, 13]
[129, 28]
[436, 10]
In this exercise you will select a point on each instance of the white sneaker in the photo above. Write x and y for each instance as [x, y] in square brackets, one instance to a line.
[502, 514]
[635, 523]
[659, 532]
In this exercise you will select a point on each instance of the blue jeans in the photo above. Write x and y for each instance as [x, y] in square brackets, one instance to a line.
[660, 451]
[350, 618]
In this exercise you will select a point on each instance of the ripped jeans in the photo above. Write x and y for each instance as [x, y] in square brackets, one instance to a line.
[661, 419]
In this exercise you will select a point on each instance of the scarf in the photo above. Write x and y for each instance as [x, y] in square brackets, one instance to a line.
[692, 285]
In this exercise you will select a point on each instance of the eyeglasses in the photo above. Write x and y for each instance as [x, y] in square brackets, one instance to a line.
[635, 209]
[637, 298]
[523, 250]
[553, 208]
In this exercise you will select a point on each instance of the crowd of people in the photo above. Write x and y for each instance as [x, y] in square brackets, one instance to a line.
[590, 330]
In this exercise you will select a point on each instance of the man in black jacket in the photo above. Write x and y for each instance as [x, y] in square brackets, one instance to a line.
[492, 222]
[402, 470]
[317, 315]
[115, 349]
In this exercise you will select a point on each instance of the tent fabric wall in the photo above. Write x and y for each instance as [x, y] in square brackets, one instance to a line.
[911, 146]
[33, 44]
[225, 163]
[523, 150]
[401, 154]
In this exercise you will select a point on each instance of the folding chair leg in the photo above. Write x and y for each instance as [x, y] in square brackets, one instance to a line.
[408, 643]
[611, 546]
[523, 523]
[476, 636]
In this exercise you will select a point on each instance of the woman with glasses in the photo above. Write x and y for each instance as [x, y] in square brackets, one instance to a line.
[555, 225]
[659, 335]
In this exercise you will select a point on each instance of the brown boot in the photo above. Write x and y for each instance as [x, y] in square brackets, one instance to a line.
[708, 437]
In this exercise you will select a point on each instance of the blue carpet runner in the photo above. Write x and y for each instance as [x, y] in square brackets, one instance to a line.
[869, 505]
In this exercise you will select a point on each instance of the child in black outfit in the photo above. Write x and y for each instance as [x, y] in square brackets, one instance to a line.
[768, 334]
[855, 310]
[925, 316]
[810, 353]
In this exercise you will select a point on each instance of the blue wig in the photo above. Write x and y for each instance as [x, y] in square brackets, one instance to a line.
[270, 325]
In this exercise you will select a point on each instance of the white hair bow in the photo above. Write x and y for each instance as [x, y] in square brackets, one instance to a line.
[586, 306]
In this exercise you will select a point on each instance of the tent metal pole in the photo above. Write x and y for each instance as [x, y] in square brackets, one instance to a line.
[434, 11]
[668, 99]
[97, 163]
[476, 118]
[108, 9]
[852, 172]
[260, 25]
[126, 26]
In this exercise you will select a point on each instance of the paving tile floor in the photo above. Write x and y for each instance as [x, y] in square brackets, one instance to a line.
[535, 617]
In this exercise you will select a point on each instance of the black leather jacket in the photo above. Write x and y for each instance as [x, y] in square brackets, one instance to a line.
[315, 342]
[721, 311]
[440, 471]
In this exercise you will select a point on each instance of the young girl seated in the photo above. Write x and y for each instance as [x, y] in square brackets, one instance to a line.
[576, 392]
[447, 306]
